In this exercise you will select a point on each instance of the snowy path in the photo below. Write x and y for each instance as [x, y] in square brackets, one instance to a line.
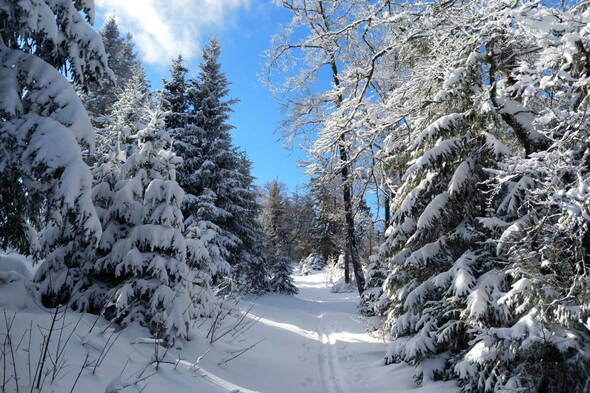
[313, 342]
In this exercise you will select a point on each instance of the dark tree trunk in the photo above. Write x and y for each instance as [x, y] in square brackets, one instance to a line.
[387, 212]
[351, 254]
[350, 249]
[522, 134]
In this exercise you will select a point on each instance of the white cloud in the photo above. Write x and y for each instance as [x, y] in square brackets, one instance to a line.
[162, 29]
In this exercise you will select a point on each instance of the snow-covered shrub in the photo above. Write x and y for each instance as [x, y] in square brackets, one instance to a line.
[17, 291]
[16, 263]
[312, 263]
[372, 301]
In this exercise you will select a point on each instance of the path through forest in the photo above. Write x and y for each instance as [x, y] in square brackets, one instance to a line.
[315, 342]
[312, 342]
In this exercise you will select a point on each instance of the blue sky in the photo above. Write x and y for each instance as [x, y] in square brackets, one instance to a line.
[244, 29]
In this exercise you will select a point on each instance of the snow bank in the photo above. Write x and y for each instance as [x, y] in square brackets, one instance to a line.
[16, 289]
[16, 263]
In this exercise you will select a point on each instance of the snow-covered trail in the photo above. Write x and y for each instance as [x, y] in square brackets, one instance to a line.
[314, 342]
[319, 338]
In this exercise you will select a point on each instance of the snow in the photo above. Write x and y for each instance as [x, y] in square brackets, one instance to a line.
[15, 284]
[434, 210]
[443, 149]
[461, 177]
[497, 147]
[13, 262]
[434, 131]
[314, 342]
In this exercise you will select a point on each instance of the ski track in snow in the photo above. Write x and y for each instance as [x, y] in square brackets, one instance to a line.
[320, 331]
[329, 367]
[313, 342]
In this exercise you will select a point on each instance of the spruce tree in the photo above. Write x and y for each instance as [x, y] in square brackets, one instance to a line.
[175, 97]
[250, 272]
[130, 115]
[532, 335]
[435, 249]
[275, 230]
[145, 260]
[44, 130]
[219, 202]
[99, 98]
[372, 302]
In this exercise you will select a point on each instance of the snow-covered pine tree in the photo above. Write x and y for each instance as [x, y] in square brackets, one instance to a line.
[145, 264]
[250, 272]
[211, 173]
[203, 255]
[43, 130]
[130, 114]
[281, 270]
[372, 302]
[99, 98]
[273, 222]
[534, 336]
[195, 143]
[175, 97]
[436, 248]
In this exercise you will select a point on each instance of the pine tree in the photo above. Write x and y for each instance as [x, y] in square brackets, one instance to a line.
[129, 116]
[273, 219]
[145, 262]
[43, 131]
[250, 272]
[450, 297]
[436, 249]
[531, 335]
[175, 97]
[99, 98]
[211, 174]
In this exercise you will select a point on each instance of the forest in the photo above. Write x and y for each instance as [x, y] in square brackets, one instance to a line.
[440, 242]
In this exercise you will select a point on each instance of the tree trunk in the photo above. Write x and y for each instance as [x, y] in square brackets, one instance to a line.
[351, 248]
[346, 265]
[387, 213]
[522, 134]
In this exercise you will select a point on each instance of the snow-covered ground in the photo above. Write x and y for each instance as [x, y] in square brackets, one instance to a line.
[313, 342]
